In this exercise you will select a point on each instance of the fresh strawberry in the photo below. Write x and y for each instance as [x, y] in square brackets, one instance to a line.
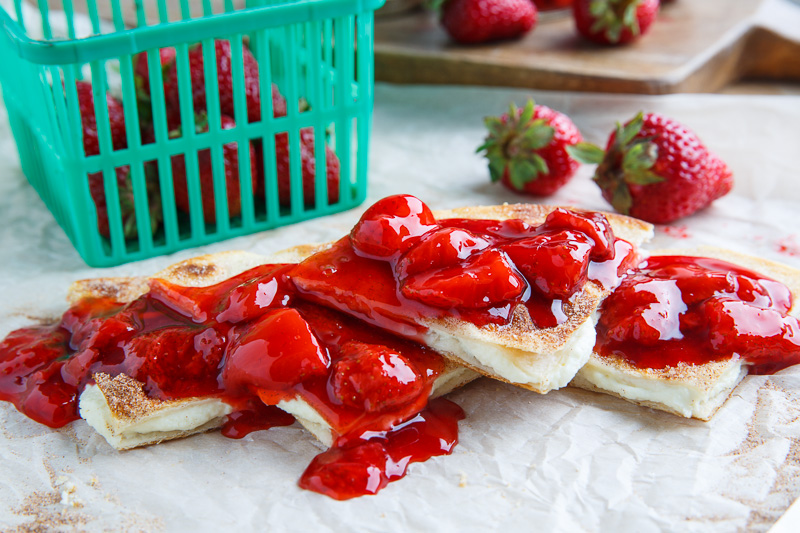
[224, 83]
[308, 165]
[555, 264]
[116, 120]
[230, 155]
[141, 70]
[551, 5]
[478, 21]
[655, 169]
[374, 378]
[391, 226]
[125, 191]
[614, 21]
[484, 280]
[527, 149]
[126, 205]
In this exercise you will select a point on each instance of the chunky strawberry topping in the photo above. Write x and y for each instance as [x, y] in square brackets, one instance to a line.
[676, 309]
[250, 341]
[391, 226]
[400, 266]
[262, 338]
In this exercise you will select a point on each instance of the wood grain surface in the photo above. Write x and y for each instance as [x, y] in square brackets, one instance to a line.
[694, 46]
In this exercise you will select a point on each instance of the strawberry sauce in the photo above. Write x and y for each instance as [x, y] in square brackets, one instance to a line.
[676, 309]
[400, 266]
[250, 341]
[279, 333]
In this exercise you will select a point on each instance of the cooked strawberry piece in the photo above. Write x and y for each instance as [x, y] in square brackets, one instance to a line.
[354, 466]
[443, 247]
[345, 473]
[192, 302]
[48, 400]
[174, 361]
[700, 278]
[374, 378]
[86, 321]
[639, 313]
[495, 231]
[484, 280]
[254, 297]
[275, 352]
[764, 337]
[555, 264]
[592, 224]
[391, 226]
[477, 21]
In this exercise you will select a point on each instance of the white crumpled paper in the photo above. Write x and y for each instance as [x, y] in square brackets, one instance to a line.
[569, 460]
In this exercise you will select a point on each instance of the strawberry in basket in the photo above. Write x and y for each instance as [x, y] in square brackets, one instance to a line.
[224, 82]
[230, 155]
[91, 146]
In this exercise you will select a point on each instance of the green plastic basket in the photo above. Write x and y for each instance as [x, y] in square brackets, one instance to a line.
[318, 53]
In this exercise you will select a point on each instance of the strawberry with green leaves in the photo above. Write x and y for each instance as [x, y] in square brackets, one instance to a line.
[527, 149]
[614, 21]
[656, 169]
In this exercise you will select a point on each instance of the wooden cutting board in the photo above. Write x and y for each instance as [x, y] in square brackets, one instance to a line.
[694, 46]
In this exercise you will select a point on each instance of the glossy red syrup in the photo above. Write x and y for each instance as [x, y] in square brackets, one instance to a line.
[476, 270]
[366, 463]
[676, 309]
[250, 341]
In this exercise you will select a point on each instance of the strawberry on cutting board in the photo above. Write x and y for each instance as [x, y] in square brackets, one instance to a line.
[614, 21]
[479, 21]
[527, 149]
[656, 169]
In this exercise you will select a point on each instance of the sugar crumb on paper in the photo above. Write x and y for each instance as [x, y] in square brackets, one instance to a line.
[786, 486]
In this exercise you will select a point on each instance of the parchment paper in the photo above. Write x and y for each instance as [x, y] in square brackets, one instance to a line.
[567, 461]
